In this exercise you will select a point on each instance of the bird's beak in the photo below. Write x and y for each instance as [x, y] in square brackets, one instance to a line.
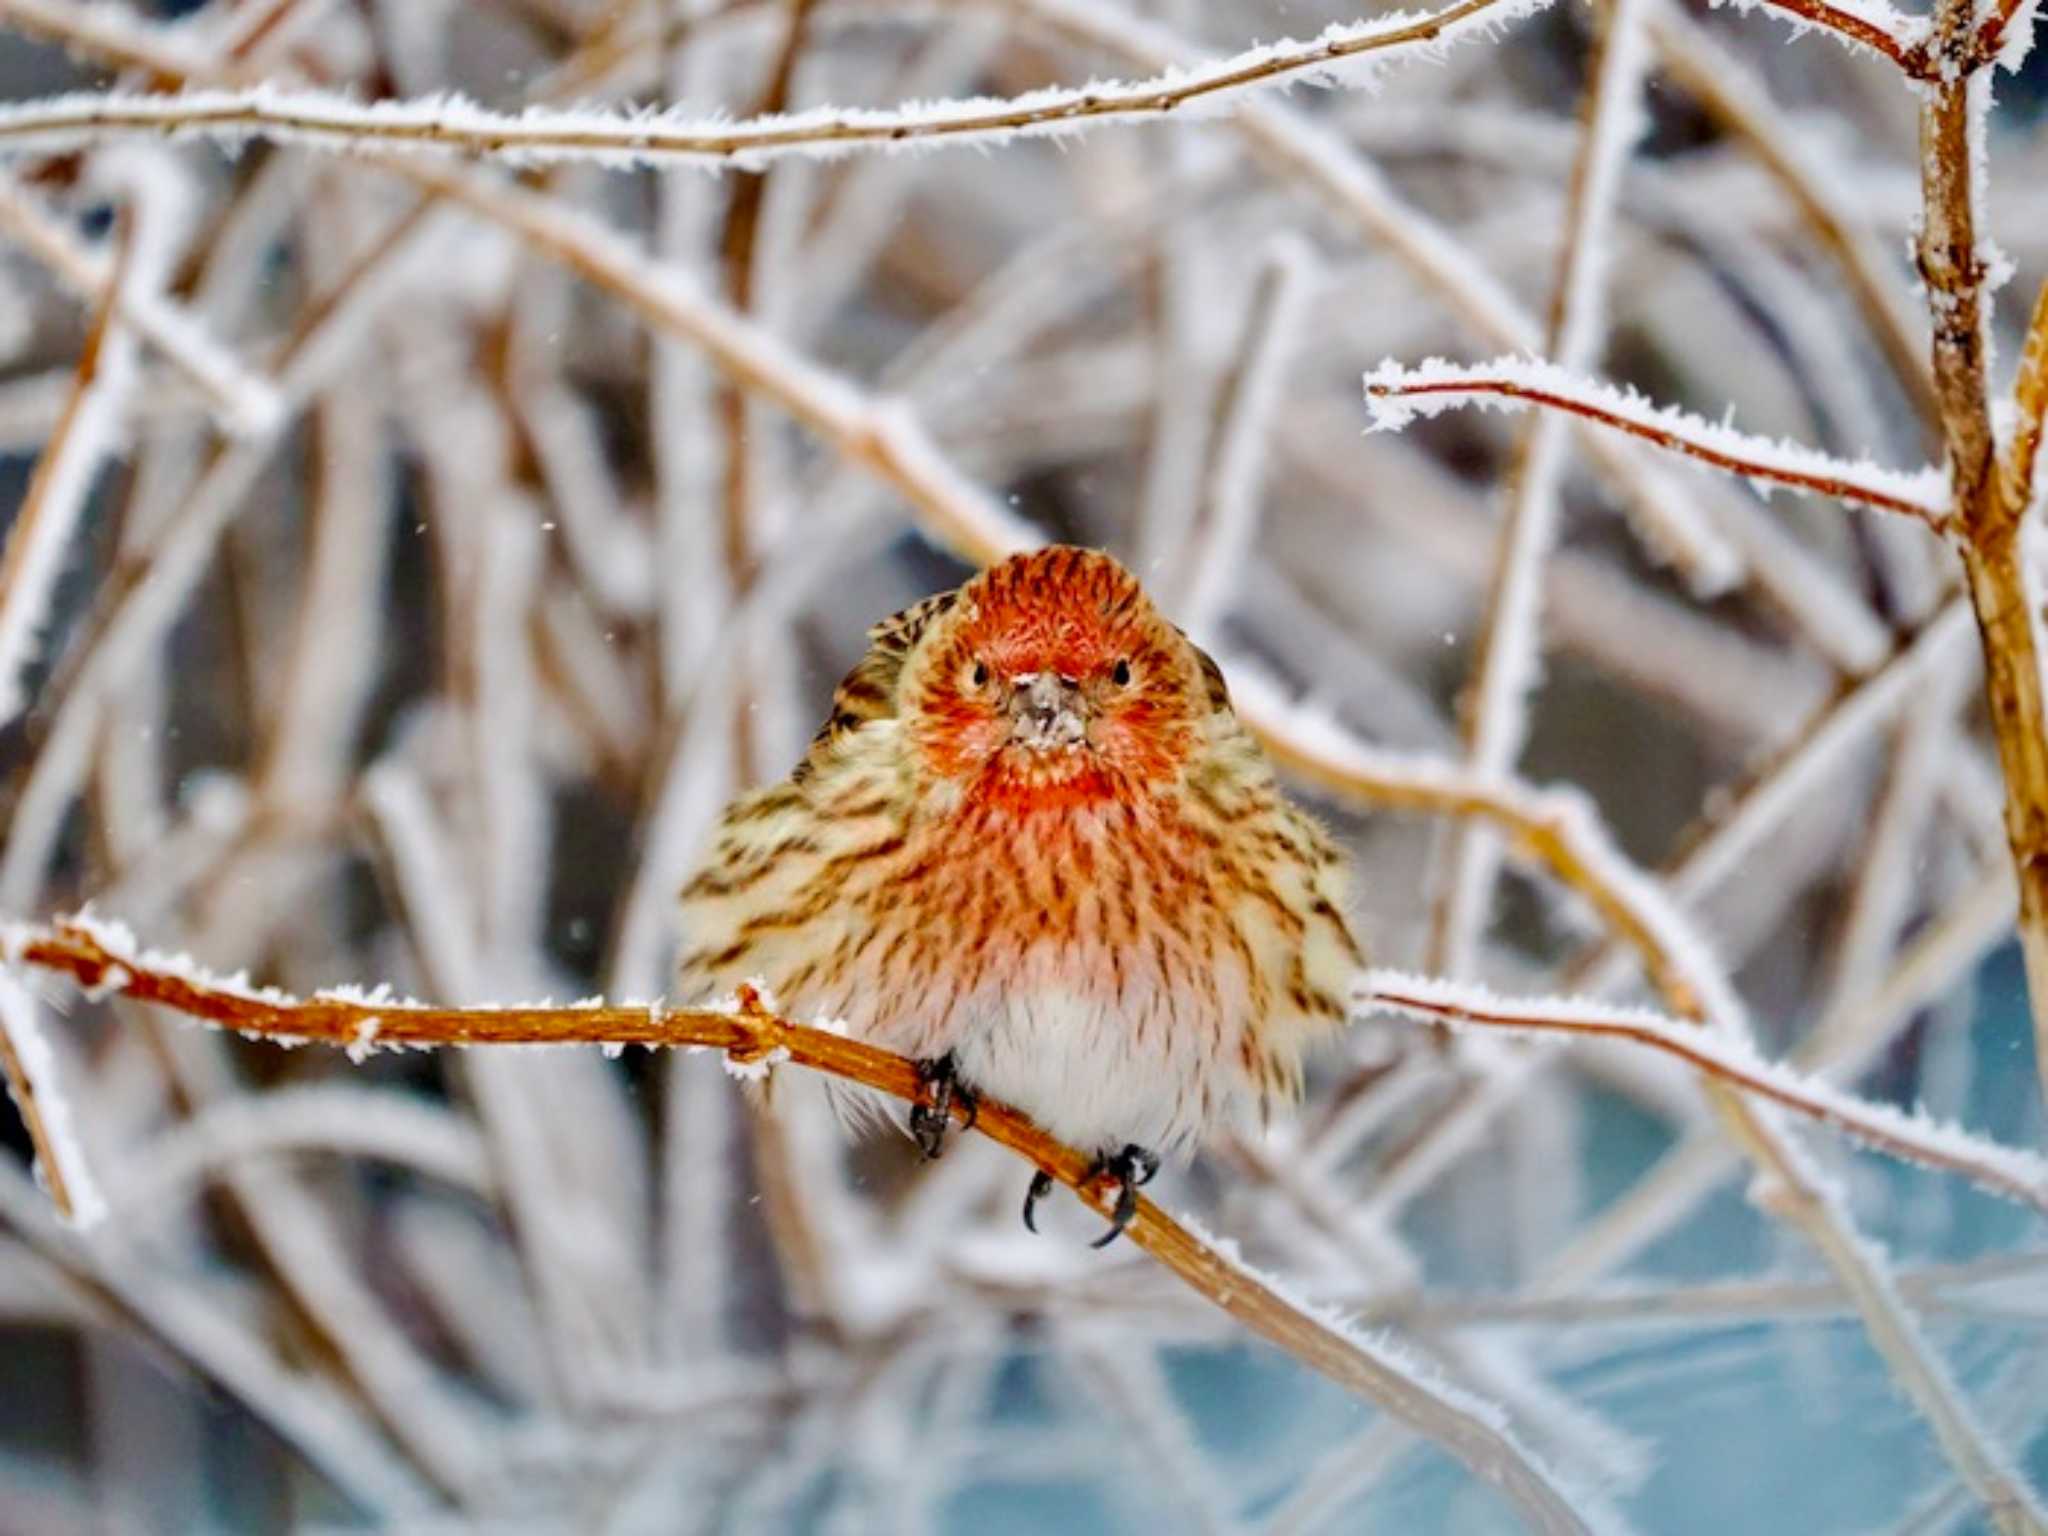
[1045, 711]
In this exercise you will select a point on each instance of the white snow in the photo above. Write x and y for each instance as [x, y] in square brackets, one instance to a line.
[754, 1069]
[1903, 29]
[21, 1022]
[1345, 53]
[2013, 1172]
[364, 1043]
[1396, 394]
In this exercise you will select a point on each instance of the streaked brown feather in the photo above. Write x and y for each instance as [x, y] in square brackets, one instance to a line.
[1126, 943]
[868, 692]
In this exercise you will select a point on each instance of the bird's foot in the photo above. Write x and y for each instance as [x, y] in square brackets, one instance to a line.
[942, 1090]
[1132, 1168]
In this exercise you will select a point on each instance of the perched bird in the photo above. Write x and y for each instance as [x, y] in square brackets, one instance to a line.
[1034, 849]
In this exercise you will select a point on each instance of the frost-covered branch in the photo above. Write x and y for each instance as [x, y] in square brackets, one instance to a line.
[243, 400]
[1557, 828]
[84, 434]
[2015, 1174]
[2004, 1286]
[1397, 394]
[1343, 53]
[1871, 24]
[28, 1068]
[104, 958]
[2004, 36]
[1568, 838]
[1989, 506]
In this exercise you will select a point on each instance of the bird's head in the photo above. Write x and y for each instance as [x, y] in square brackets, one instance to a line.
[1052, 680]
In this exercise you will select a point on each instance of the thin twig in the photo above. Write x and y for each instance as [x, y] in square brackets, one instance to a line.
[20, 1041]
[324, 1425]
[1941, 1287]
[1993, 32]
[2030, 405]
[83, 435]
[244, 401]
[325, 121]
[1875, 26]
[1517, 382]
[754, 1040]
[2013, 1173]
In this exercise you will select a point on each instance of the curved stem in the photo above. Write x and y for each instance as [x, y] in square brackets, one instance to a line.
[754, 1040]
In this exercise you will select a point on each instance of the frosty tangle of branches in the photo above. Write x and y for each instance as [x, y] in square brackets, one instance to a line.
[455, 448]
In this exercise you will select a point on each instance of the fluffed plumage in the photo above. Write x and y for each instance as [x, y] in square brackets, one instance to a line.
[1034, 835]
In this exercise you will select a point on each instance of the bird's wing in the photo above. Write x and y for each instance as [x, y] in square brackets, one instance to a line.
[1212, 678]
[868, 692]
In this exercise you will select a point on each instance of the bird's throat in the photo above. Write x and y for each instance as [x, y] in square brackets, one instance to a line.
[1028, 782]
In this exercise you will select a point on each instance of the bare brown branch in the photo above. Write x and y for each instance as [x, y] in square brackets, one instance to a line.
[1845, 24]
[1988, 505]
[2030, 404]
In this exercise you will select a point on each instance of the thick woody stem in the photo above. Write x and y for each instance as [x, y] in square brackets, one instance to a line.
[1988, 499]
[1954, 272]
[1994, 562]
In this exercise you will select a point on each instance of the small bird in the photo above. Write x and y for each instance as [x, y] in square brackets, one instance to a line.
[1034, 849]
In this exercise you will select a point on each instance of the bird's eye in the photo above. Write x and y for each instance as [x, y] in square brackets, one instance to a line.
[1121, 675]
[980, 674]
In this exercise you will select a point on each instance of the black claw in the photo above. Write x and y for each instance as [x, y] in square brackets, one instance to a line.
[943, 1089]
[1145, 1164]
[1130, 1168]
[1041, 1186]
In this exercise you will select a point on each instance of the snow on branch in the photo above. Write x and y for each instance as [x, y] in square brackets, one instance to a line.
[1870, 24]
[1345, 53]
[105, 958]
[29, 1066]
[85, 436]
[2010, 1172]
[244, 402]
[1396, 394]
[2006, 35]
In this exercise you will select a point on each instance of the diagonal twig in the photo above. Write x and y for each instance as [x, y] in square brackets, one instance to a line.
[2011, 1172]
[1396, 394]
[754, 1040]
